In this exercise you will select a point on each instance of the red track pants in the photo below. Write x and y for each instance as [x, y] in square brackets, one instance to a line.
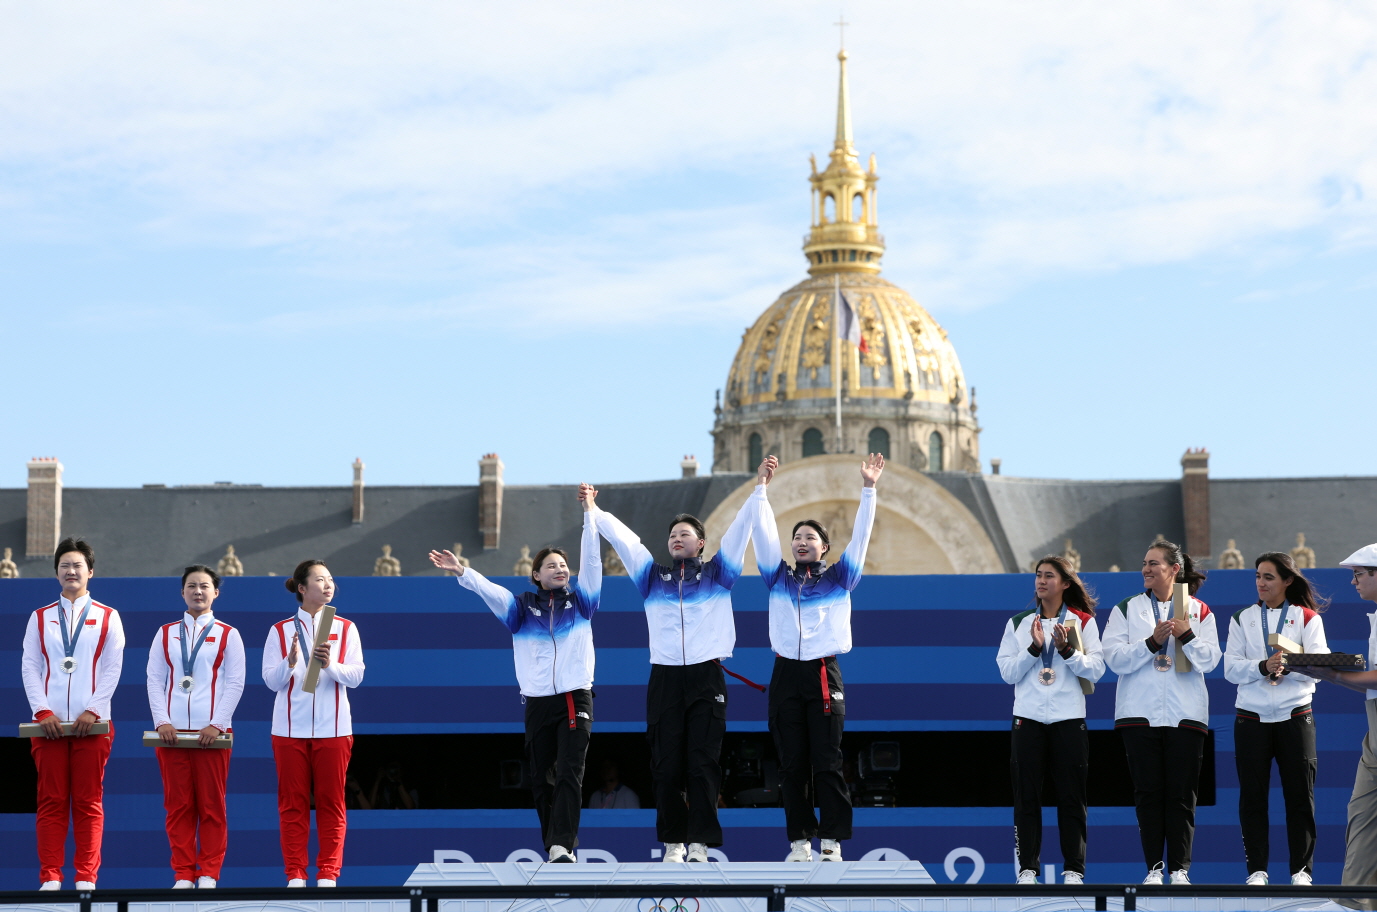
[194, 792]
[304, 764]
[71, 780]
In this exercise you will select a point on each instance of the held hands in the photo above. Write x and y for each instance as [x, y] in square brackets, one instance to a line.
[322, 655]
[207, 735]
[168, 734]
[1179, 626]
[293, 654]
[1163, 630]
[587, 495]
[1058, 636]
[871, 469]
[767, 470]
[52, 727]
[1274, 664]
[446, 560]
[1038, 636]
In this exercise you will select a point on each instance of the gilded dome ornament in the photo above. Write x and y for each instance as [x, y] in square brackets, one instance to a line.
[901, 383]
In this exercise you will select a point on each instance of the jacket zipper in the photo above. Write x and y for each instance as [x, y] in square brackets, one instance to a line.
[798, 603]
[683, 649]
[554, 665]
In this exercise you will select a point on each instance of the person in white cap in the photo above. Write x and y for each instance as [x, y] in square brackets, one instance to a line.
[1360, 857]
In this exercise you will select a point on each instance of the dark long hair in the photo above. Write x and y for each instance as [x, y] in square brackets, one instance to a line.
[1077, 595]
[1298, 588]
[540, 559]
[1190, 574]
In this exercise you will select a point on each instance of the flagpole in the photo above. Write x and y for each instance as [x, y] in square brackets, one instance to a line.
[836, 359]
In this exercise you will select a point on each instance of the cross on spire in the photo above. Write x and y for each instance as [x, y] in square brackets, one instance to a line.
[841, 25]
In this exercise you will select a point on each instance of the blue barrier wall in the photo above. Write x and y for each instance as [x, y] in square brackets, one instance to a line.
[924, 660]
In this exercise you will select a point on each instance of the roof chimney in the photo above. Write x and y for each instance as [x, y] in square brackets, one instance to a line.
[689, 467]
[1195, 501]
[995, 465]
[358, 490]
[45, 506]
[490, 500]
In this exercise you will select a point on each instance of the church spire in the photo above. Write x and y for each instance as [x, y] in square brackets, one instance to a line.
[845, 234]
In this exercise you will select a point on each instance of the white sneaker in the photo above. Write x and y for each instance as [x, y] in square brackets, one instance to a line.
[697, 851]
[800, 850]
[1154, 875]
[560, 855]
[84, 885]
[1256, 879]
[205, 883]
[325, 883]
[830, 850]
[1072, 878]
[296, 882]
[1301, 879]
[1179, 877]
[51, 885]
[184, 885]
[674, 851]
[1026, 877]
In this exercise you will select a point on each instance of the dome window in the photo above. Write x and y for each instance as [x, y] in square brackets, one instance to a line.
[879, 441]
[812, 443]
[935, 452]
[756, 453]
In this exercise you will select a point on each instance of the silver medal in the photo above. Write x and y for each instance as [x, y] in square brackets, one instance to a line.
[1161, 662]
[187, 684]
[1046, 676]
[68, 665]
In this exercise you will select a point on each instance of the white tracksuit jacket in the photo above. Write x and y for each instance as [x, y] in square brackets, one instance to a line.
[99, 654]
[1019, 666]
[218, 672]
[1246, 648]
[325, 713]
[1145, 696]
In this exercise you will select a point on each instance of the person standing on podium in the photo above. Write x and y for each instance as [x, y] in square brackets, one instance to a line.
[1039, 656]
[810, 625]
[688, 606]
[313, 733]
[552, 642]
[73, 654]
[195, 679]
[1161, 706]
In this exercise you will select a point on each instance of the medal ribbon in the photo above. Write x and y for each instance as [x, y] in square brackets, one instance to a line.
[1157, 615]
[1047, 650]
[189, 663]
[301, 638]
[1281, 622]
[69, 641]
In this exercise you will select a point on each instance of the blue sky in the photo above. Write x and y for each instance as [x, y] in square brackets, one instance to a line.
[250, 243]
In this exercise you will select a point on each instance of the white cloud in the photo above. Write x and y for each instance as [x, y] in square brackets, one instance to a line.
[1022, 139]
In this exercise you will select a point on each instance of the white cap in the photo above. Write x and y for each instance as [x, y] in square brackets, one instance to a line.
[1363, 557]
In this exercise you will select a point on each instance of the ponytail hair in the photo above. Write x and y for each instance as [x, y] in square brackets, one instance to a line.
[1299, 591]
[298, 579]
[1077, 595]
[1174, 554]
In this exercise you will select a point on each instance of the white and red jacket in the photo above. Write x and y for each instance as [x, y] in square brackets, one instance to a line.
[218, 672]
[325, 713]
[1144, 695]
[1020, 666]
[1247, 648]
[99, 653]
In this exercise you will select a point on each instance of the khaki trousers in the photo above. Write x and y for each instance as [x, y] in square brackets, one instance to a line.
[1360, 857]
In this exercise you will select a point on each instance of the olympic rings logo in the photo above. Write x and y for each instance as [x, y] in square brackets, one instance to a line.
[668, 904]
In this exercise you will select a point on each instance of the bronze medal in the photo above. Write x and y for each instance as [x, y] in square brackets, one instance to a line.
[1046, 676]
[1161, 662]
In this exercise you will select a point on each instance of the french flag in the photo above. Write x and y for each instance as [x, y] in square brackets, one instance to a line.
[850, 324]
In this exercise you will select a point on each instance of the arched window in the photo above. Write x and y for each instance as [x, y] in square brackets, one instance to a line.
[857, 208]
[879, 442]
[812, 443]
[757, 455]
[829, 208]
[935, 452]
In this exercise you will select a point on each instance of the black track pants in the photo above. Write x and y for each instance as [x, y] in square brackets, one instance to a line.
[1165, 765]
[1064, 747]
[686, 717]
[808, 734]
[556, 754]
[1292, 744]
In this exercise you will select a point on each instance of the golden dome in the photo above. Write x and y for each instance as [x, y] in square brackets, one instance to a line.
[901, 392]
[787, 354]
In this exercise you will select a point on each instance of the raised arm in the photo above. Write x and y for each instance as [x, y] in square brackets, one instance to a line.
[764, 529]
[732, 552]
[587, 586]
[635, 556]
